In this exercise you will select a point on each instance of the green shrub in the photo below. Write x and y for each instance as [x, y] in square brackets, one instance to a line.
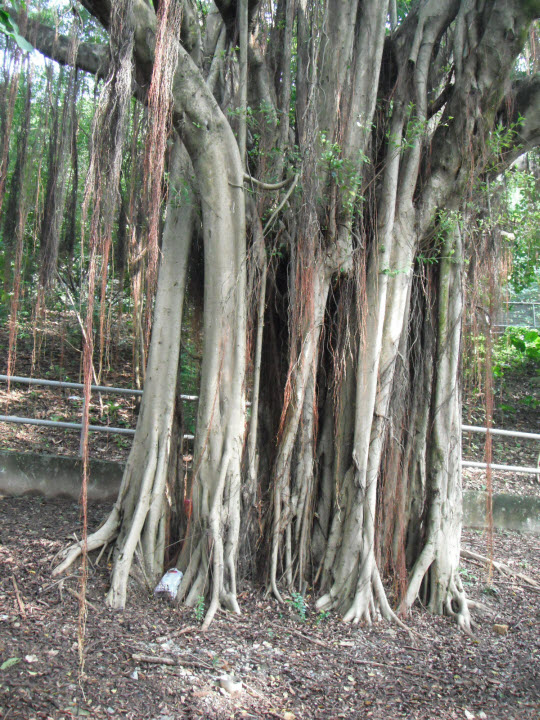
[516, 349]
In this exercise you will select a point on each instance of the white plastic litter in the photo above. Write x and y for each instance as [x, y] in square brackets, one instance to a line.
[169, 583]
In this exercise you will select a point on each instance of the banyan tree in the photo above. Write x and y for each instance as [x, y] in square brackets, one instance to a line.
[322, 160]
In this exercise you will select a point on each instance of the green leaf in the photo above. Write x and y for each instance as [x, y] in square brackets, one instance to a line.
[10, 28]
[6, 20]
[518, 343]
[531, 335]
[9, 663]
[22, 43]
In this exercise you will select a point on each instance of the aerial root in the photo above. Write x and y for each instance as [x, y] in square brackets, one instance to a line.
[101, 538]
[369, 604]
[195, 582]
[456, 606]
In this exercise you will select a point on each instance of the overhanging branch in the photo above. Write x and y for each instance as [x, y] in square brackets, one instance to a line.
[521, 110]
[228, 11]
[91, 57]
[100, 9]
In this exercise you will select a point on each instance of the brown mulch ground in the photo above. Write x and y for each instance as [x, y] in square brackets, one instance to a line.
[289, 668]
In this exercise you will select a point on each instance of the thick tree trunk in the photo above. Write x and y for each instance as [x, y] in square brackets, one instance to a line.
[436, 566]
[213, 542]
[300, 393]
[139, 513]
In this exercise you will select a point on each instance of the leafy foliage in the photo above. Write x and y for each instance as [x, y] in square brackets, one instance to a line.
[10, 28]
[199, 609]
[517, 347]
[298, 603]
[524, 219]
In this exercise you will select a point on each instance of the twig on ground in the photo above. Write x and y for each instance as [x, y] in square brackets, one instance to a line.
[42, 602]
[153, 659]
[105, 545]
[500, 567]
[77, 597]
[19, 599]
[175, 633]
[156, 660]
[48, 587]
[358, 661]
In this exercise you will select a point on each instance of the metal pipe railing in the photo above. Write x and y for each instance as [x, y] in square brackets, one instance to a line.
[193, 398]
[71, 426]
[80, 386]
[65, 425]
[507, 433]
[77, 426]
[494, 466]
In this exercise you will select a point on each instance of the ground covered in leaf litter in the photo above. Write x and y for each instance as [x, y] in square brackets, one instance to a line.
[153, 661]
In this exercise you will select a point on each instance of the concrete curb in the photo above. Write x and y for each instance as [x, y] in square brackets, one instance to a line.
[56, 476]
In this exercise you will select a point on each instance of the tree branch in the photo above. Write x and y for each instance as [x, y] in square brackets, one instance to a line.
[91, 57]
[228, 11]
[521, 108]
[100, 9]
[440, 101]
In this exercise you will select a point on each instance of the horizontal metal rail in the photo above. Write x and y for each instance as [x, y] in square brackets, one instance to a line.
[129, 431]
[507, 433]
[66, 425]
[193, 398]
[80, 386]
[71, 426]
[520, 302]
[508, 468]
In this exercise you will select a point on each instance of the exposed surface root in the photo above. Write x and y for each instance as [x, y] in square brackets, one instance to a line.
[500, 567]
[447, 597]
[455, 605]
[196, 581]
[369, 603]
[101, 538]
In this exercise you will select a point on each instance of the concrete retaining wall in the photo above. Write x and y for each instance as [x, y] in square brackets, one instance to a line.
[55, 476]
